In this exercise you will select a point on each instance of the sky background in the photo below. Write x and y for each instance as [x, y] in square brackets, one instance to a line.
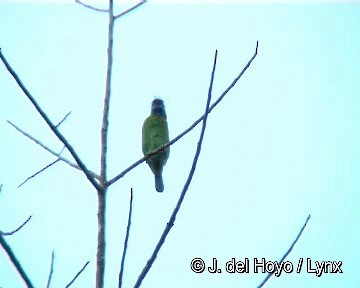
[283, 144]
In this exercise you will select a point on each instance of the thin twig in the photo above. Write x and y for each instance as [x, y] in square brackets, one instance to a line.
[77, 275]
[123, 173]
[1, 187]
[17, 229]
[57, 125]
[38, 172]
[130, 9]
[91, 7]
[50, 124]
[172, 219]
[41, 170]
[126, 240]
[51, 269]
[58, 155]
[287, 252]
[15, 262]
[62, 150]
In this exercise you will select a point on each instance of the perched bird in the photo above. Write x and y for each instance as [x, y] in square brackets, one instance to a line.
[155, 134]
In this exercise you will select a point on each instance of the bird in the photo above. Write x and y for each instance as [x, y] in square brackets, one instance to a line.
[155, 134]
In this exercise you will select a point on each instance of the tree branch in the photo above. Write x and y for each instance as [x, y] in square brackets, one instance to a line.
[51, 269]
[129, 10]
[100, 256]
[287, 252]
[17, 229]
[57, 125]
[15, 262]
[58, 155]
[105, 121]
[126, 240]
[50, 124]
[38, 172]
[41, 170]
[123, 173]
[91, 7]
[77, 275]
[172, 219]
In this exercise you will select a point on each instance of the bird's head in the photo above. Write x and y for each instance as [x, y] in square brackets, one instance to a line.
[158, 108]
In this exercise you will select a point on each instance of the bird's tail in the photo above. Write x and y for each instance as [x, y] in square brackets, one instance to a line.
[159, 184]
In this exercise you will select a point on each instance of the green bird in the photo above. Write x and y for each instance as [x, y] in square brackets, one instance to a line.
[155, 134]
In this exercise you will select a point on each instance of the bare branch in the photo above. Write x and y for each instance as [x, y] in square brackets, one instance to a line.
[41, 170]
[17, 229]
[77, 275]
[63, 120]
[62, 150]
[15, 262]
[122, 174]
[100, 255]
[51, 269]
[129, 10]
[1, 187]
[91, 7]
[38, 172]
[172, 219]
[105, 121]
[50, 124]
[126, 240]
[287, 252]
[58, 155]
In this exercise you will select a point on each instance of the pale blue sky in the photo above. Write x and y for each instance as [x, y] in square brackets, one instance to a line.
[283, 144]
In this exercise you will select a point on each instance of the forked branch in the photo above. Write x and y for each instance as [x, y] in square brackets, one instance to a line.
[12, 256]
[107, 10]
[130, 9]
[58, 155]
[49, 123]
